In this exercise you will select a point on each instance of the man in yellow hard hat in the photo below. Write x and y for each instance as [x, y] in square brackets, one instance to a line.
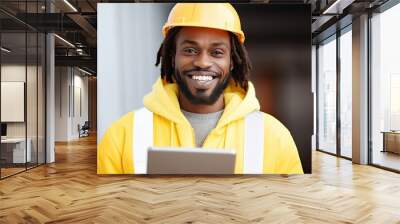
[202, 99]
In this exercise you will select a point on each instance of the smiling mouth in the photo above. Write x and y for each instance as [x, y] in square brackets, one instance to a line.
[202, 77]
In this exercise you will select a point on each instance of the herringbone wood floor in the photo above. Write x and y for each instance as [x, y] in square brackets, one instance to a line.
[69, 191]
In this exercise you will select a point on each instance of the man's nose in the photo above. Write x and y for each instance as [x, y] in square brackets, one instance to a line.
[202, 61]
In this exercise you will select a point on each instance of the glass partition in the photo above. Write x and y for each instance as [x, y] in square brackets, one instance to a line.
[23, 91]
[13, 105]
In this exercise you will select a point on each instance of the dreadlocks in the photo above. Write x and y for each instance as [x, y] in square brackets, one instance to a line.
[239, 57]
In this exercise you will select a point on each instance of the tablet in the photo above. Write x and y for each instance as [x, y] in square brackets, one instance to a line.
[163, 160]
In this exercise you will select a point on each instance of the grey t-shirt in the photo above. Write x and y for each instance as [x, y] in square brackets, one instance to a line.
[202, 124]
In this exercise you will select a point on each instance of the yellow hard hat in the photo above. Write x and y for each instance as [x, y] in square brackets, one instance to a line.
[209, 15]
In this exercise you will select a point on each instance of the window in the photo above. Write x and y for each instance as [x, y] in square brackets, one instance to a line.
[385, 88]
[346, 93]
[327, 95]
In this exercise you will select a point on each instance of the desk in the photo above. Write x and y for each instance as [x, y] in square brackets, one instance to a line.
[15, 148]
[391, 141]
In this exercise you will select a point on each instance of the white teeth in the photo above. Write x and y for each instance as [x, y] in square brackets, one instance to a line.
[202, 77]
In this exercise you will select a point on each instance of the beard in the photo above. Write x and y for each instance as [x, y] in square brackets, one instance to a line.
[200, 97]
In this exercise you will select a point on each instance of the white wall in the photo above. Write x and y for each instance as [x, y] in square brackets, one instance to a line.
[61, 103]
[67, 114]
[128, 38]
[15, 72]
[80, 83]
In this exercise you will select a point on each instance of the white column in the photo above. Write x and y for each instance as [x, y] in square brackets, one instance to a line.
[50, 99]
[360, 90]
[50, 92]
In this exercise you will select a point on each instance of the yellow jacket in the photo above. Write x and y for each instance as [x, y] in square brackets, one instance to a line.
[172, 129]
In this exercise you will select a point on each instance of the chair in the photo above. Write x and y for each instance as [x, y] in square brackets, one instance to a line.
[84, 130]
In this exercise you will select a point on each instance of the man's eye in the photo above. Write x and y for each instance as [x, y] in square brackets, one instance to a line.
[218, 53]
[189, 50]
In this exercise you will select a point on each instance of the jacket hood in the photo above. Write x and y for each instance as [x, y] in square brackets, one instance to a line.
[163, 100]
